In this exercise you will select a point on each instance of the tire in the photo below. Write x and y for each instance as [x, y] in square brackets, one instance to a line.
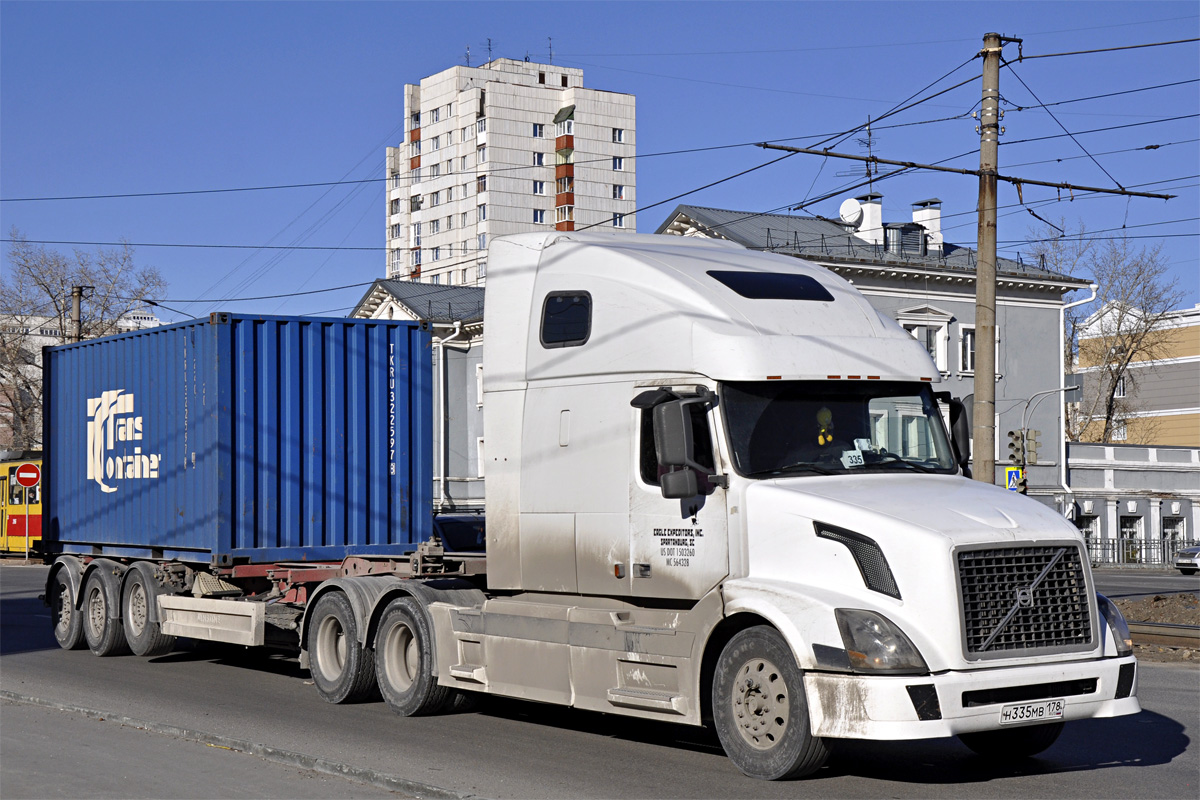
[1012, 744]
[760, 710]
[404, 661]
[1188, 571]
[105, 635]
[341, 670]
[144, 635]
[68, 619]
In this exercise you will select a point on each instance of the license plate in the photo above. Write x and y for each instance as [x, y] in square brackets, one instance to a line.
[1041, 711]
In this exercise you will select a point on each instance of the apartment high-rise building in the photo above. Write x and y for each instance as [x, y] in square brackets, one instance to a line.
[509, 147]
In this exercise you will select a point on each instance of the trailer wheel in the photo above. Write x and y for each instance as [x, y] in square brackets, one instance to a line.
[404, 661]
[760, 710]
[341, 670]
[103, 630]
[144, 634]
[1011, 744]
[68, 620]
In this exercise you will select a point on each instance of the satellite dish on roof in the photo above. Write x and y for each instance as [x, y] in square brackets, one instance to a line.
[851, 212]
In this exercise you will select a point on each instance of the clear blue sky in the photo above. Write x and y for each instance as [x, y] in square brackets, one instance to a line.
[100, 98]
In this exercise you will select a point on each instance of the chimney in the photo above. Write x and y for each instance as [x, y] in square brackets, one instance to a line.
[871, 228]
[928, 214]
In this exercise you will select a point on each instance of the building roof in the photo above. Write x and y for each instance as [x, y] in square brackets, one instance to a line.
[827, 240]
[425, 301]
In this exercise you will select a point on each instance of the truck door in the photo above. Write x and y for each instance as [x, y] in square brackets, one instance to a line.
[4, 512]
[678, 548]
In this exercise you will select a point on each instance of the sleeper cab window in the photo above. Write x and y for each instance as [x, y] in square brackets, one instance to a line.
[566, 319]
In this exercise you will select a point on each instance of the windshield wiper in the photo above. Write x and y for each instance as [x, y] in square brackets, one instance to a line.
[798, 466]
[889, 458]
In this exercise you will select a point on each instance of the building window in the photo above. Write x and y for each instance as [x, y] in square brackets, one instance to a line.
[1173, 529]
[462, 164]
[539, 187]
[481, 270]
[436, 280]
[395, 205]
[539, 130]
[618, 163]
[435, 226]
[481, 154]
[564, 81]
[435, 115]
[449, 110]
[466, 133]
[565, 128]
[618, 220]
[539, 159]
[539, 216]
[435, 143]
[481, 184]
[449, 166]
[481, 243]
[435, 170]
[541, 77]
[966, 349]
[618, 192]
[394, 231]
[1119, 431]
[435, 198]
[396, 182]
[481, 212]
[1119, 389]
[416, 257]
[618, 135]
[930, 326]
[449, 194]
[481, 125]
[463, 280]
[416, 176]
[450, 137]
[414, 148]
[464, 191]
[450, 222]
[436, 254]
[565, 184]
[414, 203]
[414, 121]
[564, 214]
[463, 223]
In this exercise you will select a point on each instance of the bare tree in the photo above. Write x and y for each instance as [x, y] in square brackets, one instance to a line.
[35, 298]
[1121, 328]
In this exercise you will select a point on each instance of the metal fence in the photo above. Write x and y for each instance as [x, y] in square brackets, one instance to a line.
[1136, 552]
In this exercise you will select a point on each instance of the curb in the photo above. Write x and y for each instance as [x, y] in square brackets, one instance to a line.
[288, 758]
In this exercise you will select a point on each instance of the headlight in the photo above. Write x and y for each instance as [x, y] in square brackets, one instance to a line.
[1116, 625]
[874, 643]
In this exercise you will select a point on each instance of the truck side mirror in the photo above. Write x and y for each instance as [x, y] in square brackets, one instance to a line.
[679, 485]
[673, 434]
[960, 435]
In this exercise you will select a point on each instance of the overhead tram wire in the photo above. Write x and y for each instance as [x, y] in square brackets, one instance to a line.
[1106, 49]
[1016, 107]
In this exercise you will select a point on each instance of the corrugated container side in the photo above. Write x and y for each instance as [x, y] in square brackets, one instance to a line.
[241, 438]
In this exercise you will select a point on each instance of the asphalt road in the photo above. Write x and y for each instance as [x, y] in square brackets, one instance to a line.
[1129, 582]
[505, 749]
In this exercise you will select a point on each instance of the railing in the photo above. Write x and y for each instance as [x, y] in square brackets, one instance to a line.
[1136, 552]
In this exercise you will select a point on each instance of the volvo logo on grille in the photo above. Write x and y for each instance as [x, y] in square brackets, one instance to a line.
[1025, 597]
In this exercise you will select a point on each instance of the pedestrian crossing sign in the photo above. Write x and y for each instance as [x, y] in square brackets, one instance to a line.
[1012, 478]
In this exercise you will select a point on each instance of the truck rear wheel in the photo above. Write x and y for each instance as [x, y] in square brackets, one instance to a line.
[101, 621]
[404, 661]
[341, 670]
[760, 710]
[143, 633]
[1010, 744]
[68, 620]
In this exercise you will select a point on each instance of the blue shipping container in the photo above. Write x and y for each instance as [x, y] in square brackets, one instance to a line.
[240, 439]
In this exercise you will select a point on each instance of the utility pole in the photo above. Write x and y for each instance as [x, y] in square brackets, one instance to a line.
[984, 422]
[76, 314]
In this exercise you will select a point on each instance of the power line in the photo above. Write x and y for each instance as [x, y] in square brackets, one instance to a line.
[1064, 127]
[1101, 130]
[1106, 153]
[1096, 96]
[193, 245]
[1106, 49]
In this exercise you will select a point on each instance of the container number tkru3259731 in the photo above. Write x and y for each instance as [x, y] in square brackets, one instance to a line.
[1039, 711]
[391, 408]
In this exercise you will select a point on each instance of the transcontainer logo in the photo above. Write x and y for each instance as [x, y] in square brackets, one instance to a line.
[111, 429]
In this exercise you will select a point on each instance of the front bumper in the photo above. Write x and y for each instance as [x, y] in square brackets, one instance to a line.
[869, 707]
[1187, 562]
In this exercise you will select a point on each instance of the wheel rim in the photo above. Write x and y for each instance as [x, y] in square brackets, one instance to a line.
[97, 611]
[63, 609]
[402, 657]
[137, 613]
[331, 648]
[760, 704]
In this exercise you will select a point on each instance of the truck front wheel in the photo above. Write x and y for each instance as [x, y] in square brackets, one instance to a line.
[1010, 744]
[759, 708]
[341, 670]
[404, 661]
[68, 621]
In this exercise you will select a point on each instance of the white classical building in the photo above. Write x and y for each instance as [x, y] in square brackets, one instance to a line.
[508, 147]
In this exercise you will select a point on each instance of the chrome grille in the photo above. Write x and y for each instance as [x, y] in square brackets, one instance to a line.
[1024, 598]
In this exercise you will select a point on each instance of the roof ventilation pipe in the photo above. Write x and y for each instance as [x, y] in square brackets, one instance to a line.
[871, 228]
[928, 214]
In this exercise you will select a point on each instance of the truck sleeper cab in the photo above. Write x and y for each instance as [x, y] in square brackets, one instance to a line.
[720, 490]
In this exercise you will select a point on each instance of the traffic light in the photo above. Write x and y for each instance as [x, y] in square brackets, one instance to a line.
[1023, 483]
[1031, 446]
[1016, 447]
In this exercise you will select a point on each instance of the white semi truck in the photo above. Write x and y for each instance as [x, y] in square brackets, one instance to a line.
[721, 490]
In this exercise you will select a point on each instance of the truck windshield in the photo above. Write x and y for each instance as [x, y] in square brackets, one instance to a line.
[833, 427]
